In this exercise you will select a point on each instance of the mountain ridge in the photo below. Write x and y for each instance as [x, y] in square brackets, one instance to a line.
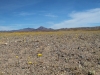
[41, 28]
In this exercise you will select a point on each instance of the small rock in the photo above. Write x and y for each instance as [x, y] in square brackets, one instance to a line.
[78, 48]
[99, 63]
[91, 73]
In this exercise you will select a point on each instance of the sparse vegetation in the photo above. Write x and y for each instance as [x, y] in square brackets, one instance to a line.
[50, 53]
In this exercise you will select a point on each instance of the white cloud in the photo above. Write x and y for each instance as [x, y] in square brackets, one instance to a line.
[14, 26]
[50, 15]
[80, 19]
[5, 28]
[25, 14]
[10, 27]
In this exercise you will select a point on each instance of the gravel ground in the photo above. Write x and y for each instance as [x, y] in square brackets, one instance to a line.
[50, 53]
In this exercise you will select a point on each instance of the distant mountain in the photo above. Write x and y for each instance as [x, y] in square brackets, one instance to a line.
[27, 29]
[81, 28]
[41, 28]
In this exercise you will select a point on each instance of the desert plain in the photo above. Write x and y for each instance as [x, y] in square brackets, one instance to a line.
[50, 53]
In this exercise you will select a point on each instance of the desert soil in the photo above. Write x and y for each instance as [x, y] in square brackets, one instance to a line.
[50, 53]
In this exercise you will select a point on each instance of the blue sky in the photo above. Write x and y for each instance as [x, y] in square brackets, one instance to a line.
[18, 14]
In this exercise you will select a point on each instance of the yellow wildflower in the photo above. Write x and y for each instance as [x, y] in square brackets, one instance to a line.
[16, 56]
[39, 55]
[29, 62]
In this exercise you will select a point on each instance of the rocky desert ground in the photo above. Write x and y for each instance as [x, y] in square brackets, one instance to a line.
[50, 53]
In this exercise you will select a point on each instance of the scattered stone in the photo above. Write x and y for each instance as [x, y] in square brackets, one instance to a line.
[91, 73]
